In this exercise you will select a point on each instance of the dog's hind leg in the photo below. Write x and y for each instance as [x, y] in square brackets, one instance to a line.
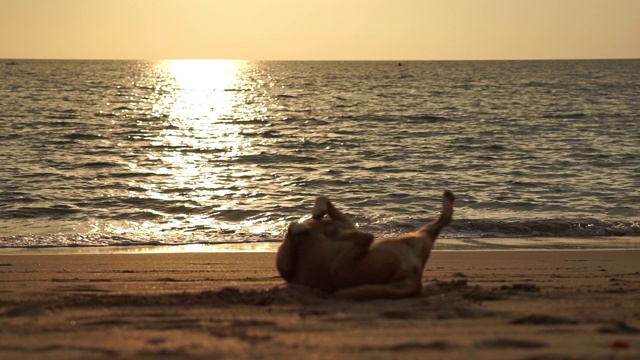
[432, 230]
[407, 287]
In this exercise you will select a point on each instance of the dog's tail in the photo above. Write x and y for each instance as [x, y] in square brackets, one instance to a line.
[433, 229]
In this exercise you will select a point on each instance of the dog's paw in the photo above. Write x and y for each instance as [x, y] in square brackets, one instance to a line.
[448, 195]
[320, 208]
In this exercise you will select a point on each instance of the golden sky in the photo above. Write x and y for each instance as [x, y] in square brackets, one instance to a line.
[320, 29]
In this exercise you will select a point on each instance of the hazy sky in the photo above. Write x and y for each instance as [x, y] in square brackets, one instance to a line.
[320, 29]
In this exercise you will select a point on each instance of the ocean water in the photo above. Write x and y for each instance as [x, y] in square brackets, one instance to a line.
[106, 153]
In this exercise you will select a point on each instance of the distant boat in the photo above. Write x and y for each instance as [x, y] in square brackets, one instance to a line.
[11, 63]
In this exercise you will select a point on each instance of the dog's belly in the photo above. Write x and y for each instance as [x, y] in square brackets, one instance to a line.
[407, 262]
[314, 262]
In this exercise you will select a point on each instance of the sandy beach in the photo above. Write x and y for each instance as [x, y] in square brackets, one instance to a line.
[475, 305]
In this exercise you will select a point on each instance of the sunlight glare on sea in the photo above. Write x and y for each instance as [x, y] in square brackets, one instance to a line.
[200, 99]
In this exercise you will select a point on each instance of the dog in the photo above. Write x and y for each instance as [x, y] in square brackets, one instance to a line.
[331, 254]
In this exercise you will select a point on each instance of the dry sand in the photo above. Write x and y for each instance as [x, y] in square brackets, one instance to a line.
[475, 305]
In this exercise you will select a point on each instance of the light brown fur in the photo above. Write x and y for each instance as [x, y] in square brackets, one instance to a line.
[329, 253]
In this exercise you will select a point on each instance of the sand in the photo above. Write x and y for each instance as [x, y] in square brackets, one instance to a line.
[475, 305]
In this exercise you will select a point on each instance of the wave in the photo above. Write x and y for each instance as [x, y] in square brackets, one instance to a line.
[116, 241]
[138, 216]
[123, 108]
[105, 114]
[413, 118]
[51, 212]
[285, 96]
[80, 136]
[542, 228]
[510, 229]
[565, 116]
[268, 158]
[10, 137]
[537, 84]
[98, 165]
[460, 235]
[426, 118]
[62, 116]
[62, 123]
[237, 89]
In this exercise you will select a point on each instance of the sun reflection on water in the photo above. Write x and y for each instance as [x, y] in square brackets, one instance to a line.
[204, 103]
[205, 89]
[205, 95]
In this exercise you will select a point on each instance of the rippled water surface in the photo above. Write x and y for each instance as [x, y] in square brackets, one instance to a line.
[177, 152]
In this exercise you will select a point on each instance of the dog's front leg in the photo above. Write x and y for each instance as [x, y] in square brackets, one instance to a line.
[324, 207]
[343, 266]
[286, 258]
[320, 208]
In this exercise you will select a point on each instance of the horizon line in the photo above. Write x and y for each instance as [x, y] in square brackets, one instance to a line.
[319, 60]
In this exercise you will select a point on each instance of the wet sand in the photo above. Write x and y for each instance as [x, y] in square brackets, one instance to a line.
[475, 305]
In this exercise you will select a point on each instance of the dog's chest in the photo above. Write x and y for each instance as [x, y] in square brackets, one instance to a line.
[315, 258]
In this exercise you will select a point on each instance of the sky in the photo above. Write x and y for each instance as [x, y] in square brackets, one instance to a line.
[320, 29]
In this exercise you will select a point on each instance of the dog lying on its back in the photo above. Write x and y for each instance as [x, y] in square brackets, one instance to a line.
[329, 253]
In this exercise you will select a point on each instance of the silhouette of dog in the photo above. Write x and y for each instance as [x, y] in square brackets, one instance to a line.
[329, 253]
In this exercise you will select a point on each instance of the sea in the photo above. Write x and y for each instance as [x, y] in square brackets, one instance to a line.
[175, 153]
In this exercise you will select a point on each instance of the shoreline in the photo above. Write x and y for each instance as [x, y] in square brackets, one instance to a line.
[578, 304]
[603, 243]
